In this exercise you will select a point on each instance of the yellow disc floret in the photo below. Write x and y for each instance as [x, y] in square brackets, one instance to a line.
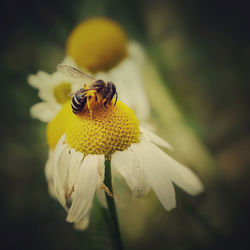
[105, 131]
[62, 91]
[56, 127]
[97, 44]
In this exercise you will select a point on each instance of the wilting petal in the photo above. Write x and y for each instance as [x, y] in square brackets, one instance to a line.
[101, 197]
[161, 184]
[75, 161]
[49, 174]
[131, 168]
[85, 187]
[82, 224]
[60, 169]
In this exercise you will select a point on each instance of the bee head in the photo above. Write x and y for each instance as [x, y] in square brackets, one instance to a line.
[99, 85]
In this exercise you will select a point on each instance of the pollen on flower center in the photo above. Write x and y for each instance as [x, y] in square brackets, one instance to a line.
[62, 91]
[107, 130]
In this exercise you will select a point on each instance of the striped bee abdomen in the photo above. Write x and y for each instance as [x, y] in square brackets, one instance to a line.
[78, 103]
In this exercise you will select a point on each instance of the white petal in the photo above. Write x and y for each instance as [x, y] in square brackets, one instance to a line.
[85, 187]
[130, 166]
[163, 188]
[155, 139]
[60, 167]
[32, 80]
[101, 197]
[49, 166]
[176, 172]
[49, 174]
[47, 94]
[36, 81]
[136, 53]
[148, 126]
[128, 75]
[69, 61]
[40, 81]
[153, 169]
[75, 161]
[44, 111]
[83, 224]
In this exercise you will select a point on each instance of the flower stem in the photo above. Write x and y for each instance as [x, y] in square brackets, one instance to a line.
[112, 207]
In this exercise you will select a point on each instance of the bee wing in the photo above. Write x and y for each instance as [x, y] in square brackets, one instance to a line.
[77, 92]
[73, 72]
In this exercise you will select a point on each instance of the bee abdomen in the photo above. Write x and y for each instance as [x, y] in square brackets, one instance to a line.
[77, 103]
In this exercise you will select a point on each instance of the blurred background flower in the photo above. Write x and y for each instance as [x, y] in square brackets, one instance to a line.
[196, 79]
[54, 91]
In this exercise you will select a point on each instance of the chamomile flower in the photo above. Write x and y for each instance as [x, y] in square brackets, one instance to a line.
[54, 90]
[80, 145]
[100, 46]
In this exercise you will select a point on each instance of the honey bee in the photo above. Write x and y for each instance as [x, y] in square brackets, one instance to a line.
[102, 91]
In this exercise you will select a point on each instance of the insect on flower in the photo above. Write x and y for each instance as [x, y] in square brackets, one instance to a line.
[102, 91]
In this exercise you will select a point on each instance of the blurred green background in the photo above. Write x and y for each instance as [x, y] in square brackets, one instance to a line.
[202, 51]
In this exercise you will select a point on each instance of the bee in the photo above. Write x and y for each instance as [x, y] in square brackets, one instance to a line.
[102, 91]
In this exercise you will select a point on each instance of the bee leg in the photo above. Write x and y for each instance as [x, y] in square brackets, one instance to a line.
[99, 100]
[103, 106]
[105, 103]
[88, 105]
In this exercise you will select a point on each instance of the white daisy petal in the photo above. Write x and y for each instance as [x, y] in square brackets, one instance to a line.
[68, 60]
[47, 85]
[49, 174]
[130, 166]
[153, 169]
[101, 197]
[155, 139]
[44, 111]
[47, 94]
[40, 80]
[60, 168]
[127, 76]
[163, 188]
[178, 173]
[128, 79]
[136, 53]
[85, 187]
[75, 161]
[84, 213]
[32, 80]
[44, 77]
[141, 102]
[83, 224]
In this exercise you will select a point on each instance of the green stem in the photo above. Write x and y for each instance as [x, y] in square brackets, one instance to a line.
[111, 207]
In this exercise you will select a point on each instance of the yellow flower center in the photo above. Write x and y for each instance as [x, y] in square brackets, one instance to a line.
[56, 127]
[104, 131]
[97, 44]
[62, 91]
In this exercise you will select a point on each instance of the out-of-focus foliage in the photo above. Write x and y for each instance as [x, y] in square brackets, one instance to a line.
[201, 51]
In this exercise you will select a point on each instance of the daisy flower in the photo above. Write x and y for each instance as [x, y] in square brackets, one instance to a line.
[100, 47]
[81, 143]
[54, 90]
